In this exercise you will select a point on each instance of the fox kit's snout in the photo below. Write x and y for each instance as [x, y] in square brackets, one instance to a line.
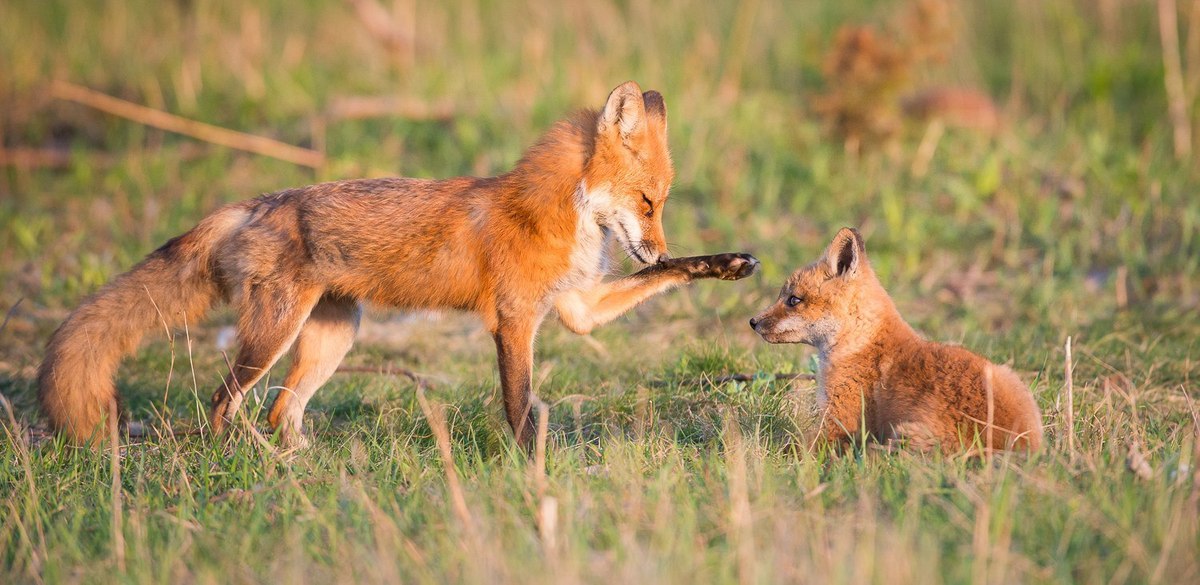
[813, 300]
[878, 378]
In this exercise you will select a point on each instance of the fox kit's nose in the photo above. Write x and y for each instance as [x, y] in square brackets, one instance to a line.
[754, 321]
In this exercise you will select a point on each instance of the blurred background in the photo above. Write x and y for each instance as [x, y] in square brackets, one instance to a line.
[1024, 171]
[1019, 168]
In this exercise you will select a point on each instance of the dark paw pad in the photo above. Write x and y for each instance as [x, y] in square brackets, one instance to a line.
[723, 266]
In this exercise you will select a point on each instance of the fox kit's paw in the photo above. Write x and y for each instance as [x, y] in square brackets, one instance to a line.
[722, 266]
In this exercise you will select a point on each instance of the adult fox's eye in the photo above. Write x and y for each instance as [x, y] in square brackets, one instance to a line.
[794, 300]
[649, 205]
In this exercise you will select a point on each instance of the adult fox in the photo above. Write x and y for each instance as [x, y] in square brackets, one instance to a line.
[298, 264]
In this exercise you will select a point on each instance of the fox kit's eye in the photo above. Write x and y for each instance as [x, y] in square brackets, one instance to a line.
[649, 205]
[794, 300]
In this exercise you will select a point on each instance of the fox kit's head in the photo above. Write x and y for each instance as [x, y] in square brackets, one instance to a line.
[628, 176]
[826, 299]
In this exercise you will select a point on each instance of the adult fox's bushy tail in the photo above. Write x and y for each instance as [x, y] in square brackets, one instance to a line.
[175, 283]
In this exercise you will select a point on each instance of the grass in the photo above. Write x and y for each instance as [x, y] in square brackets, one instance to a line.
[1076, 219]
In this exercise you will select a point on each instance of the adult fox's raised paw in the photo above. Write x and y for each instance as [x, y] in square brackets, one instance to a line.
[730, 266]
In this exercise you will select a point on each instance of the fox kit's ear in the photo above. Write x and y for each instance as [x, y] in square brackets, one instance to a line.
[845, 253]
[625, 111]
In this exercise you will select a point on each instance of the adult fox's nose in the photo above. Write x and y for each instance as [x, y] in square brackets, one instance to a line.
[663, 257]
[754, 321]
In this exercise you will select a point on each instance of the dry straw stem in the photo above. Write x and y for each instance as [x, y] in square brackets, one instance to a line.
[539, 468]
[548, 527]
[16, 437]
[118, 530]
[991, 412]
[380, 25]
[8, 314]
[28, 158]
[1177, 108]
[244, 495]
[170, 339]
[61, 158]
[385, 370]
[736, 50]
[1192, 52]
[242, 417]
[441, 434]
[718, 380]
[187, 335]
[199, 130]
[388, 538]
[1122, 284]
[981, 539]
[1069, 373]
[359, 107]
[928, 147]
[740, 520]
[991, 534]
[547, 512]
[1137, 462]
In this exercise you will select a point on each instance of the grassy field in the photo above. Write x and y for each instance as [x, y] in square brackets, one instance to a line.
[1076, 219]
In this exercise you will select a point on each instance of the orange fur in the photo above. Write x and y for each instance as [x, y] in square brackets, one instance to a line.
[296, 264]
[879, 378]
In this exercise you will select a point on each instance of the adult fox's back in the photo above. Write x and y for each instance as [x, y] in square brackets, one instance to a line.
[174, 284]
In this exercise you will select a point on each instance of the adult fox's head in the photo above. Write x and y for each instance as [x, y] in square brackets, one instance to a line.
[628, 177]
[835, 297]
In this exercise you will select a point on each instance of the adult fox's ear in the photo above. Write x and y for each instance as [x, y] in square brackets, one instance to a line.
[625, 112]
[845, 253]
[656, 108]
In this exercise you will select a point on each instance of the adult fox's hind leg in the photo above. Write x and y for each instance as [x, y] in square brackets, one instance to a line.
[322, 343]
[268, 322]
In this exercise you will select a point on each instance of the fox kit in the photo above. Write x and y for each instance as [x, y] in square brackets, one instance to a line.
[878, 378]
[298, 264]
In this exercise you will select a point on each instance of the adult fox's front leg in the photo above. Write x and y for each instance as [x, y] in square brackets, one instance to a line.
[582, 310]
[514, 351]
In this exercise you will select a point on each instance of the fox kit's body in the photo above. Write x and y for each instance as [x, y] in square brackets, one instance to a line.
[878, 378]
[297, 264]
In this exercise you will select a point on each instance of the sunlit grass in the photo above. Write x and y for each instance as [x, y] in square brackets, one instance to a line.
[1074, 219]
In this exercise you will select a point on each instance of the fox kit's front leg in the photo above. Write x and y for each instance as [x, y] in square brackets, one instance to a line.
[582, 310]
